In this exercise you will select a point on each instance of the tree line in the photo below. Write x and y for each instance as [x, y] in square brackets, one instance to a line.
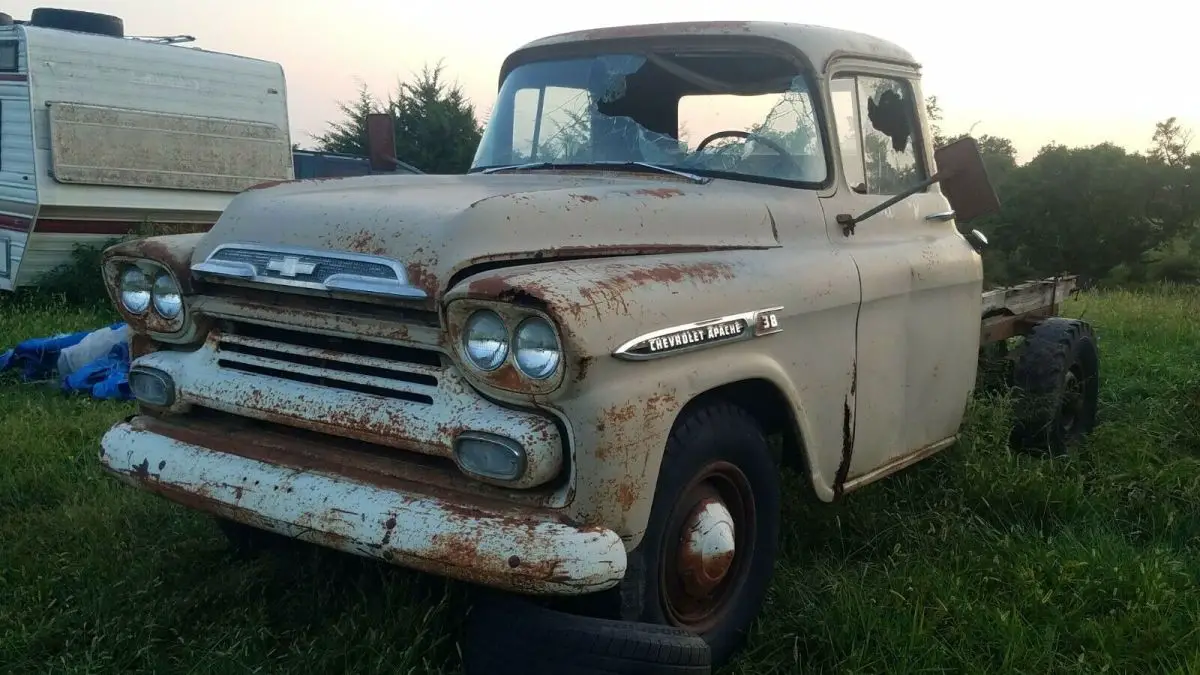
[1113, 216]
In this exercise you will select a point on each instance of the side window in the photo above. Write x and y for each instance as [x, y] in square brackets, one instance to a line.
[881, 116]
[845, 115]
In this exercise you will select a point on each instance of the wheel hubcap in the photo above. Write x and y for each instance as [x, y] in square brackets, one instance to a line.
[706, 552]
[709, 543]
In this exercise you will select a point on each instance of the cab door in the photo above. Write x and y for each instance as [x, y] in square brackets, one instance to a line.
[918, 327]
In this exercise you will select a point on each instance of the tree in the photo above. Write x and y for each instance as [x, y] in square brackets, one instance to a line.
[436, 127]
[1080, 210]
[934, 112]
[1170, 143]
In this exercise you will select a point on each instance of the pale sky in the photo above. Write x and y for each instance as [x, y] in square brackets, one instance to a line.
[1033, 71]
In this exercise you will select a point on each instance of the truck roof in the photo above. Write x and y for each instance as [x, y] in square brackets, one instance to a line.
[818, 43]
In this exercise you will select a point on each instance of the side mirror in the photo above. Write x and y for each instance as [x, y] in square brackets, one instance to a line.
[381, 142]
[977, 240]
[964, 180]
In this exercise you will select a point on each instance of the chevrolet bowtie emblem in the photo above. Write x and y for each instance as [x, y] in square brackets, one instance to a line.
[290, 266]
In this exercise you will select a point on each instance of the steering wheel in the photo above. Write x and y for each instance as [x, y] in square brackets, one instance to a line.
[733, 133]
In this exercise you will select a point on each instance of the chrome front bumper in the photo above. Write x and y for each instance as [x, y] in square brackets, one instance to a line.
[512, 548]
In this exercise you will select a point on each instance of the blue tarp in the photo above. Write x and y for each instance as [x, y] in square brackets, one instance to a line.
[105, 377]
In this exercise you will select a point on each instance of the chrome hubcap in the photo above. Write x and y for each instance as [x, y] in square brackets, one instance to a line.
[707, 547]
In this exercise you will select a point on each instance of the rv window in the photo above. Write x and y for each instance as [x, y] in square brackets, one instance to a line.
[9, 59]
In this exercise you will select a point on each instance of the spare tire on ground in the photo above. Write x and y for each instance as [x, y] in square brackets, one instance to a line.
[76, 20]
[507, 635]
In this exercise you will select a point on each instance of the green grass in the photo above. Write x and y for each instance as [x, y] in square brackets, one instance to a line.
[977, 561]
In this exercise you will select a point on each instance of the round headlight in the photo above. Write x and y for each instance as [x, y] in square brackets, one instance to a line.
[135, 289]
[537, 348]
[485, 340]
[168, 300]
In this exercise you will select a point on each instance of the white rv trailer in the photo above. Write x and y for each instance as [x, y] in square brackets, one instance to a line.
[103, 136]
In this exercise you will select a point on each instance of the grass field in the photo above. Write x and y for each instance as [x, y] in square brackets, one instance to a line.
[976, 561]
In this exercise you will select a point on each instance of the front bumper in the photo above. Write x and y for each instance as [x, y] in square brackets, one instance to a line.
[511, 548]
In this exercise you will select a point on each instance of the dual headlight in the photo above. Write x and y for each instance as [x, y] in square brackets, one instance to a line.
[533, 344]
[138, 289]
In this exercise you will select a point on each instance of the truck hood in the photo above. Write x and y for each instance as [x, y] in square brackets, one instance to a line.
[437, 226]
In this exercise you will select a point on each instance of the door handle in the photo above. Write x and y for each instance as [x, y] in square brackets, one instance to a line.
[941, 217]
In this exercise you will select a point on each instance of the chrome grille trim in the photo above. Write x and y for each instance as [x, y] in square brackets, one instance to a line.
[308, 268]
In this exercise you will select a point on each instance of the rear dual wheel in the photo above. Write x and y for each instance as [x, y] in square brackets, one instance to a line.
[1057, 378]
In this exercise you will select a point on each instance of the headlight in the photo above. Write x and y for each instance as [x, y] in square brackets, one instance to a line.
[485, 340]
[537, 348]
[135, 290]
[168, 299]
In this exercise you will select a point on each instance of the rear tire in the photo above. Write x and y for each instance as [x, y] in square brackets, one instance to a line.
[1057, 381]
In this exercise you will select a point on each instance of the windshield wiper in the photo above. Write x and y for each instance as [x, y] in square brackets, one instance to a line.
[518, 167]
[549, 165]
[662, 169]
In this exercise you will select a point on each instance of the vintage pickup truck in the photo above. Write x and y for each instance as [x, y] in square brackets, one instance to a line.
[561, 374]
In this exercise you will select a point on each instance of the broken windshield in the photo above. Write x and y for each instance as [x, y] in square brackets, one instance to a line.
[723, 114]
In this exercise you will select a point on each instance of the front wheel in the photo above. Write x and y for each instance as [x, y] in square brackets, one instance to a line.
[247, 541]
[709, 550]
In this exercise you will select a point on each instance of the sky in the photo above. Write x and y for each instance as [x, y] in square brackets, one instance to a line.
[1033, 71]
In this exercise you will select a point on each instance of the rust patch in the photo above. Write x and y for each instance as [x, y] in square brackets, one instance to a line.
[400, 471]
[506, 377]
[388, 527]
[363, 241]
[174, 251]
[660, 193]
[140, 344]
[843, 470]
[704, 273]
[420, 276]
[142, 470]
[608, 295]
[490, 287]
[585, 362]
[626, 496]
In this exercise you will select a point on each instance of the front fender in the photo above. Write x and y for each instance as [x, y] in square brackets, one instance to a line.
[172, 251]
[621, 412]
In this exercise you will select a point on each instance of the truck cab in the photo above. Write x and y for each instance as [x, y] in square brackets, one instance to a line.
[558, 374]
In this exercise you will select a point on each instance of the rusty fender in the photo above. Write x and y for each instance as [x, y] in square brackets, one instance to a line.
[174, 253]
[510, 548]
[621, 413]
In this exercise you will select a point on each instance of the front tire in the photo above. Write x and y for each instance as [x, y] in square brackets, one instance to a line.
[246, 541]
[709, 551]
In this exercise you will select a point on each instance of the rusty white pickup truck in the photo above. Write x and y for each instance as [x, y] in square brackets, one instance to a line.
[561, 373]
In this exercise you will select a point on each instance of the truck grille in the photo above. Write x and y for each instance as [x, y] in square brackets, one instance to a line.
[309, 301]
[391, 371]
